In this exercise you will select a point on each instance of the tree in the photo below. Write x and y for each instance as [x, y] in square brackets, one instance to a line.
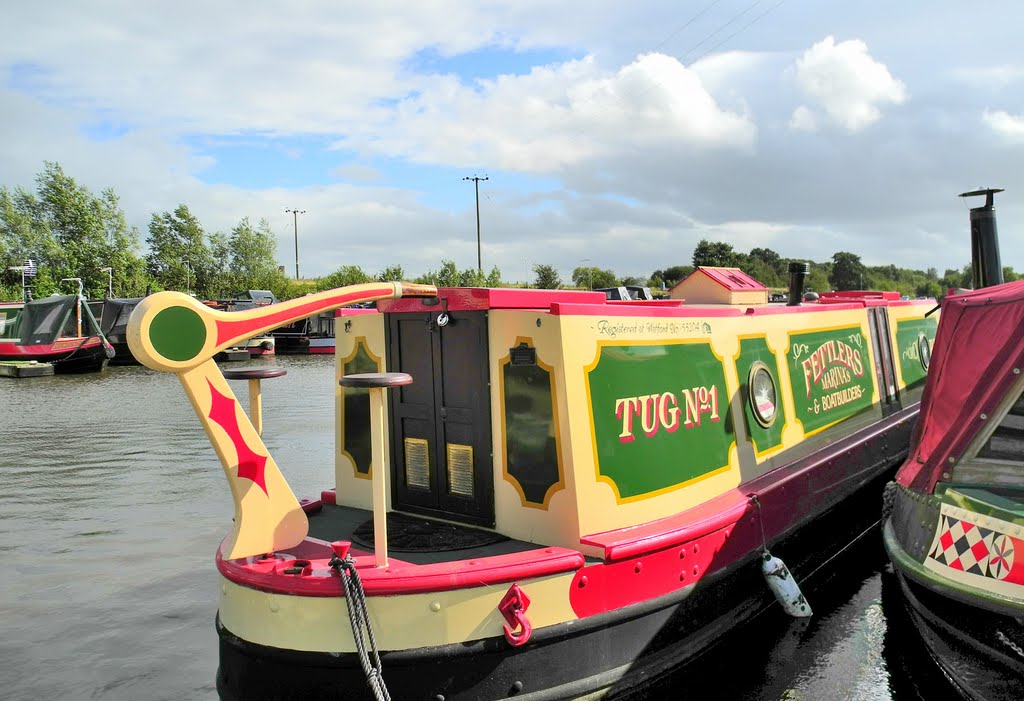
[220, 264]
[392, 273]
[848, 273]
[254, 258]
[70, 233]
[493, 278]
[179, 258]
[670, 276]
[594, 278]
[345, 275]
[717, 254]
[547, 277]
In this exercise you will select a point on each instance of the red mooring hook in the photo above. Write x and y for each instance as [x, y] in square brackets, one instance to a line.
[513, 607]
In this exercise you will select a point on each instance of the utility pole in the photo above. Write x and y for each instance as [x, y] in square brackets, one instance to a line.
[476, 184]
[295, 220]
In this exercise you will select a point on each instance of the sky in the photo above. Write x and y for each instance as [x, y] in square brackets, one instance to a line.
[611, 134]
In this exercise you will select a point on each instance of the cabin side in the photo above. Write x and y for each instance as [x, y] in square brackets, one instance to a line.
[560, 417]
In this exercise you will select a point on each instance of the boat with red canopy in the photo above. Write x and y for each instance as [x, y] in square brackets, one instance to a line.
[955, 529]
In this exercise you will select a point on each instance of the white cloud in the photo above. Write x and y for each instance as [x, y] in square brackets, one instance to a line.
[803, 119]
[557, 116]
[847, 82]
[1009, 126]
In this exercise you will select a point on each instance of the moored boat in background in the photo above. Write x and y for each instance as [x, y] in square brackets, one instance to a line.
[310, 336]
[113, 318]
[60, 329]
[561, 495]
[955, 529]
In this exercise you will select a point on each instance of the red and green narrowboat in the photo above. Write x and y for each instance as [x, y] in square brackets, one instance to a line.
[60, 329]
[543, 494]
[955, 529]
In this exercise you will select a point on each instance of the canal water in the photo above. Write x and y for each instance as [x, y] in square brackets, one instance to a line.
[113, 503]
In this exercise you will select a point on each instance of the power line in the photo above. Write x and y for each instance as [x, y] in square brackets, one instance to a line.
[770, 9]
[696, 46]
[691, 21]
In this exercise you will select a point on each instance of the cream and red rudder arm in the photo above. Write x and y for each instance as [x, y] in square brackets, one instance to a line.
[172, 332]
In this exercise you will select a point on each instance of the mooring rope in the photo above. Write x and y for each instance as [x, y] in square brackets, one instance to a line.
[359, 617]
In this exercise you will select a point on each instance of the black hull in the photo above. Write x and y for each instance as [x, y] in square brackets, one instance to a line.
[979, 647]
[91, 359]
[619, 653]
[123, 355]
[290, 345]
[972, 645]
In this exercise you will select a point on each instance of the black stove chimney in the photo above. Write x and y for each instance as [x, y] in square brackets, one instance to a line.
[985, 264]
[798, 271]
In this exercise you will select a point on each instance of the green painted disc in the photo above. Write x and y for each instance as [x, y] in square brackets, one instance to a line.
[177, 333]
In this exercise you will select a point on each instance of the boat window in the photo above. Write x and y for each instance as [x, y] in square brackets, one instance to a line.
[48, 325]
[9, 323]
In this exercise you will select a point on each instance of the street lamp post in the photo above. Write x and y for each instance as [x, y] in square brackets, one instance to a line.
[188, 276]
[295, 221]
[590, 281]
[476, 184]
[110, 281]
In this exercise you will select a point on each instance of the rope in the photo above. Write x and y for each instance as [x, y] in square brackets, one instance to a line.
[359, 617]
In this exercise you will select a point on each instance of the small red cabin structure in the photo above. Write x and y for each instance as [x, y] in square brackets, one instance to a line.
[710, 285]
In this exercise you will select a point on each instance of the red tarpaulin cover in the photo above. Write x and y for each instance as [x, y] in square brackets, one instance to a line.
[979, 343]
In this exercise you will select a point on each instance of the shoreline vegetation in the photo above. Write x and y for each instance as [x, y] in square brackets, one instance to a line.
[69, 232]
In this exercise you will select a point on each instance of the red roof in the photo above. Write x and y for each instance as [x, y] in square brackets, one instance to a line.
[732, 279]
[973, 362]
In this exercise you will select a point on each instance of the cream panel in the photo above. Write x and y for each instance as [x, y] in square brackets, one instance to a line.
[557, 523]
[399, 622]
[353, 490]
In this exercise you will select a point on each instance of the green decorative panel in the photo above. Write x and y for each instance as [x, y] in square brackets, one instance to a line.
[530, 447]
[753, 350]
[356, 423]
[831, 375]
[177, 333]
[660, 415]
[915, 353]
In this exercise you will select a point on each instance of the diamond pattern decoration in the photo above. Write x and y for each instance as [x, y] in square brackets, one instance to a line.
[965, 546]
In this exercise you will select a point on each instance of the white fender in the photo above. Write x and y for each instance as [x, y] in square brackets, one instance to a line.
[785, 588]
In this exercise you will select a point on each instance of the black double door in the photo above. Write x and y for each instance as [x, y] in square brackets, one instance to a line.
[441, 423]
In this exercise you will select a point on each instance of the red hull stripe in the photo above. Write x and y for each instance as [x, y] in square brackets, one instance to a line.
[634, 541]
[318, 579]
[13, 350]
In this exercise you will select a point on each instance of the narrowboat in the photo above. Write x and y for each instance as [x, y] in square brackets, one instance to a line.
[60, 329]
[544, 494]
[310, 336]
[955, 525]
[113, 318]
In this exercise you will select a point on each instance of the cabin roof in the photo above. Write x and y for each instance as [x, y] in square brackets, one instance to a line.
[732, 279]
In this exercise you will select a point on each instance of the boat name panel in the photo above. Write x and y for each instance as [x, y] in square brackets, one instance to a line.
[827, 371]
[640, 396]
